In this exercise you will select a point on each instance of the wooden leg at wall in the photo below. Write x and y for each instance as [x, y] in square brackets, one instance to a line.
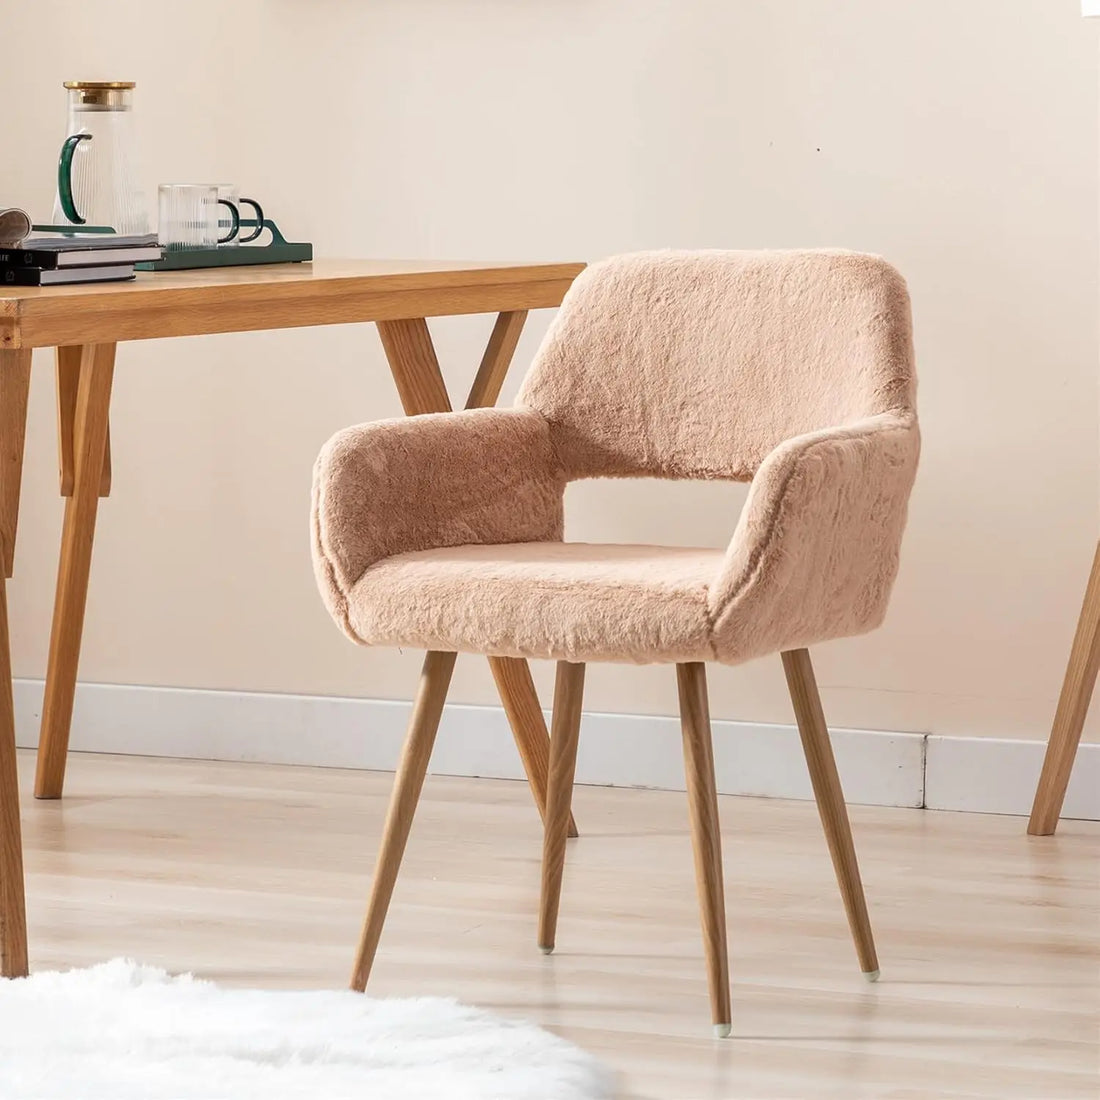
[706, 835]
[521, 704]
[830, 802]
[566, 722]
[89, 444]
[415, 368]
[1073, 706]
[435, 678]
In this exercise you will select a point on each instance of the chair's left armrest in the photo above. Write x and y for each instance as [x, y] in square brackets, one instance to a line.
[815, 552]
[422, 482]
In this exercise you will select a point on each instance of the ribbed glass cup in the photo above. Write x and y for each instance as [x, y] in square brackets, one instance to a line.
[188, 215]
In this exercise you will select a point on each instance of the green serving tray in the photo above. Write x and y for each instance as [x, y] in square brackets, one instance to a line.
[279, 251]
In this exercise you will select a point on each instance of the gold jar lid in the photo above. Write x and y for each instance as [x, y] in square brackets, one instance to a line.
[101, 93]
[101, 84]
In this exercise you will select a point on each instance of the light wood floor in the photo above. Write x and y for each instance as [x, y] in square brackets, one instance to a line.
[257, 875]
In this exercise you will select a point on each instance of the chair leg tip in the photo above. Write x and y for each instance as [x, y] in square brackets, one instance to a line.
[871, 975]
[722, 1031]
[546, 950]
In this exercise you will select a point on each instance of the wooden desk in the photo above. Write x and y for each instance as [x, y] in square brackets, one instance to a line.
[85, 323]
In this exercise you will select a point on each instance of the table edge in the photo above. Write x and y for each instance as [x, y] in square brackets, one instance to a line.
[21, 316]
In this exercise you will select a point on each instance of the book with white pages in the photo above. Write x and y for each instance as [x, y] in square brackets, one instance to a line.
[81, 250]
[37, 276]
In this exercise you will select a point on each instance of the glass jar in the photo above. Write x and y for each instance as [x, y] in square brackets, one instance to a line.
[99, 170]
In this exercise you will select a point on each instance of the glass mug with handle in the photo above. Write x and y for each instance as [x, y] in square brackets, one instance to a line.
[188, 216]
[230, 229]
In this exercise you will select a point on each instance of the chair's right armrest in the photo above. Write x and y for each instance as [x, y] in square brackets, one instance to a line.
[816, 549]
[422, 482]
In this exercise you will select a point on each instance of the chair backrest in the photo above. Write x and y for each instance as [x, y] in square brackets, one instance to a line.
[697, 364]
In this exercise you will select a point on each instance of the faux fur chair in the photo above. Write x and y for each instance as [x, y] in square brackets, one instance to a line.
[792, 370]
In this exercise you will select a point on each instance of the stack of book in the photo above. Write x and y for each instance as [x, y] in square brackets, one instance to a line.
[55, 258]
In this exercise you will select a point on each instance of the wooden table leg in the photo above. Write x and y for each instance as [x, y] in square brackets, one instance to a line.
[68, 385]
[521, 705]
[15, 369]
[89, 442]
[415, 367]
[497, 359]
[1073, 705]
[13, 910]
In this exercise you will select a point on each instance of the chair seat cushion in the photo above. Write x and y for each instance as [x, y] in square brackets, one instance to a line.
[570, 601]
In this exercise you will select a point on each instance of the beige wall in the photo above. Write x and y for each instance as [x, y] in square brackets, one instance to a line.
[957, 137]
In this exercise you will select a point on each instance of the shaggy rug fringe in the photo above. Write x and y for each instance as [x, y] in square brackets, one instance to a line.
[129, 1032]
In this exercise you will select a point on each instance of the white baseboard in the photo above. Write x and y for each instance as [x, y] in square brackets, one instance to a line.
[991, 776]
[877, 768]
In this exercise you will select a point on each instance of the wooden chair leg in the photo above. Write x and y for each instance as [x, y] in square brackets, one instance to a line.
[1073, 706]
[435, 678]
[89, 444]
[706, 835]
[830, 802]
[521, 704]
[564, 737]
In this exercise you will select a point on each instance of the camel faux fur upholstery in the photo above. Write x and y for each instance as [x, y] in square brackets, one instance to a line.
[414, 483]
[566, 600]
[792, 369]
[698, 364]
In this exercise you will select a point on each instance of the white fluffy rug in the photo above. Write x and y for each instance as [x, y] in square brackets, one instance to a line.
[123, 1031]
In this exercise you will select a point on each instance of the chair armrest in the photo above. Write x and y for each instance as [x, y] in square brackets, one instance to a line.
[422, 482]
[815, 552]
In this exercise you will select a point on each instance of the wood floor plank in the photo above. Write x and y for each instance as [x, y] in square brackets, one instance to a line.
[255, 875]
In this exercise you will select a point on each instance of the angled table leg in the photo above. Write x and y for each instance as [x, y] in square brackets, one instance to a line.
[1073, 706]
[88, 447]
[412, 359]
[68, 385]
[497, 359]
[521, 704]
[13, 911]
[15, 369]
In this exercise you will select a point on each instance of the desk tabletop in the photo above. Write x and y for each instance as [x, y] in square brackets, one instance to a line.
[239, 299]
